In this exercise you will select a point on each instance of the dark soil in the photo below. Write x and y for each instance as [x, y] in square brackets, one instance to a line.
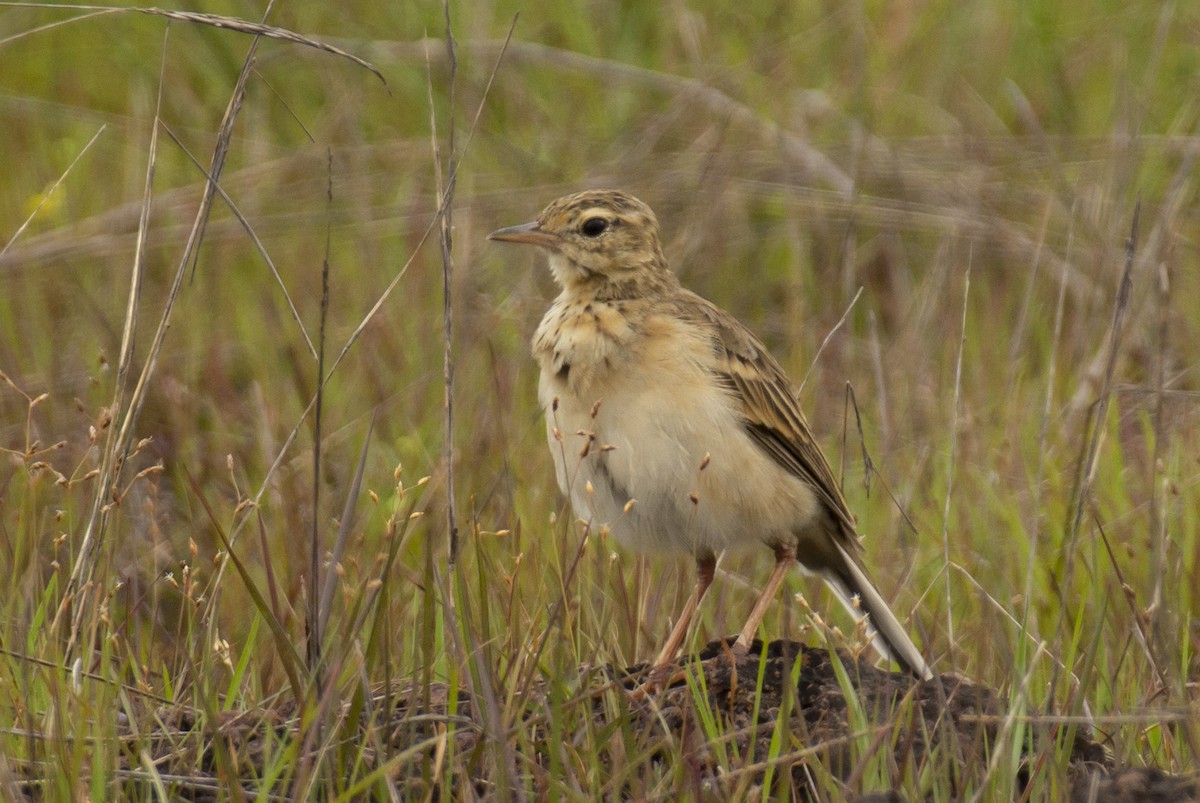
[945, 724]
[912, 717]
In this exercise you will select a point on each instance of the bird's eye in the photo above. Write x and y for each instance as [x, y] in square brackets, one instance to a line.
[594, 227]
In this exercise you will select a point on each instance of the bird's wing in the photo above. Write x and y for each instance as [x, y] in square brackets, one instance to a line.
[769, 408]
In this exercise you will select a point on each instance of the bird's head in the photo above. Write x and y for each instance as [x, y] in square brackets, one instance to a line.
[598, 239]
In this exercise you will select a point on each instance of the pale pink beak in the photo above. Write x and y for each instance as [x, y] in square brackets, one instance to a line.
[528, 233]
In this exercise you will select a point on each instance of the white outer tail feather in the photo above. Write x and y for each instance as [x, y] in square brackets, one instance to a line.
[887, 634]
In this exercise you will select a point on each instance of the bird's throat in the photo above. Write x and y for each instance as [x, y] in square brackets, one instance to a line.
[568, 274]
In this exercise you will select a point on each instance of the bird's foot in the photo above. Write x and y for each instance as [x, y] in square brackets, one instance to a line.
[660, 677]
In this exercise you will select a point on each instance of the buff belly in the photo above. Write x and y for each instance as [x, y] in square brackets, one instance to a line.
[669, 472]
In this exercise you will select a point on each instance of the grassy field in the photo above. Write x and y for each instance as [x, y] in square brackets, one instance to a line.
[960, 180]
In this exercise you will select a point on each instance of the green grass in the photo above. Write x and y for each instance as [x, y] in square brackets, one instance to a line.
[1013, 139]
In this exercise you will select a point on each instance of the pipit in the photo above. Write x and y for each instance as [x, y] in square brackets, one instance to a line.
[672, 426]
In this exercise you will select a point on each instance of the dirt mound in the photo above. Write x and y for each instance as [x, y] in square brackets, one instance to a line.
[795, 716]
[839, 705]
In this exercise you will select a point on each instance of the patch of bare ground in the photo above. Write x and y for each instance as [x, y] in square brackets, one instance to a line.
[908, 718]
[905, 720]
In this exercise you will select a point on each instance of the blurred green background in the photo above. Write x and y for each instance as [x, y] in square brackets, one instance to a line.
[795, 152]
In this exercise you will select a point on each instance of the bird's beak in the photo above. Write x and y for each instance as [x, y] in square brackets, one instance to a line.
[528, 233]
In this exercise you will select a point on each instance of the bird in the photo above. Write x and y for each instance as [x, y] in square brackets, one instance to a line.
[671, 425]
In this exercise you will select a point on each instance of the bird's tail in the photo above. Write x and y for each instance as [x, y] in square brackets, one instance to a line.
[889, 636]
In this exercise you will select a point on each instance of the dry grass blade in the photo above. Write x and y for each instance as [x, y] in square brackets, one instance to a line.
[1140, 631]
[1008, 725]
[1150, 718]
[236, 24]
[1032, 638]
[532, 666]
[314, 619]
[268, 567]
[345, 525]
[446, 185]
[51, 25]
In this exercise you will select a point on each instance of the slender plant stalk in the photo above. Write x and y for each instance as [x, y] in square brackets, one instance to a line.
[1088, 473]
[1035, 525]
[314, 629]
[962, 342]
[447, 244]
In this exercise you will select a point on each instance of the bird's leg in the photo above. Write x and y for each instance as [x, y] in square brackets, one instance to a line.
[706, 566]
[785, 558]
[660, 675]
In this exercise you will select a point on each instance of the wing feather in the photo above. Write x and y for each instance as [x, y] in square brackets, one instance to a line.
[770, 410]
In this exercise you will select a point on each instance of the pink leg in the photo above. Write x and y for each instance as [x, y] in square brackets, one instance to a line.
[706, 566]
[660, 674]
[785, 559]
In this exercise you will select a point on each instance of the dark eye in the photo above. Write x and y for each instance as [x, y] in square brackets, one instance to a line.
[594, 227]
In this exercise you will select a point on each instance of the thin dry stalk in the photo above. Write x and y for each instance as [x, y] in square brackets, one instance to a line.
[1141, 629]
[314, 628]
[255, 29]
[268, 567]
[254, 238]
[1000, 749]
[850, 403]
[1149, 719]
[54, 187]
[1169, 208]
[532, 666]
[1088, 472]
[1158, 488]
[81, 674]
[345, 525]
[446, 187]
[1038, 643]
[828, 337]
[484, 681]
[962, 342]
